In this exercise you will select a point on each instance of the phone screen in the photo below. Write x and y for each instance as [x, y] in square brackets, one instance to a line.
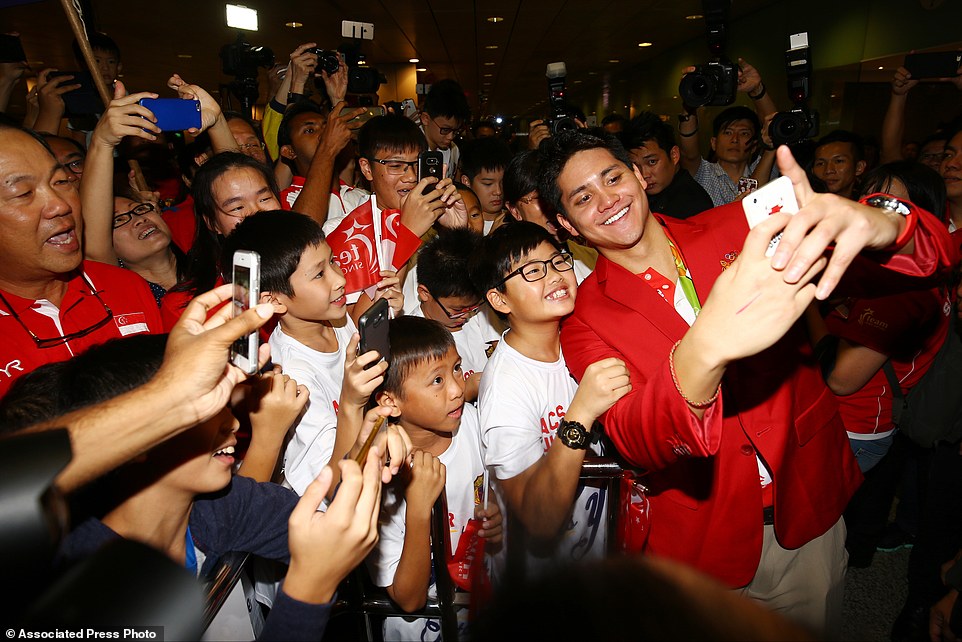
[241, 303]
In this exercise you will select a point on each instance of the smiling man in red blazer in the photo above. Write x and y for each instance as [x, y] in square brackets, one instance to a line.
[749, 467]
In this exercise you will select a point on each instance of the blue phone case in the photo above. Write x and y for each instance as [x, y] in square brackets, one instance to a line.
[174, 114]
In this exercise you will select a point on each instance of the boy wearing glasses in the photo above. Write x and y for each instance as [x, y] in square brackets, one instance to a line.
[445, 294]
[443, 114]
[537, 423]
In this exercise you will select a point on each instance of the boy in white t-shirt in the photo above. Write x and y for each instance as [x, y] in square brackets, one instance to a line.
[425, 388]
[445, 294]
[537, 423]
[315, 341]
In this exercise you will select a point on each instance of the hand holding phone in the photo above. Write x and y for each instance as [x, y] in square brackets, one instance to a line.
[746, 184]
[373, 328]
[174, 114]
[933, 64]
[430, 164]
[777, 196]
[246, 277]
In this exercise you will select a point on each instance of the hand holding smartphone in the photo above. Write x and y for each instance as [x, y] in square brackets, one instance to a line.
[373, 328]
[246, 277]
[430, 164]
[174, 114]
[933, 64]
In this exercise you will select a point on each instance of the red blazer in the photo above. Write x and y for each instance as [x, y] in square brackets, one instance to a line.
[706, 500]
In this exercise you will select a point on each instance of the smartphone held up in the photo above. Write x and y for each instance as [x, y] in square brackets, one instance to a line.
[246, 277]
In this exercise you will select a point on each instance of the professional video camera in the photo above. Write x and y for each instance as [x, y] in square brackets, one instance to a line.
[562, 117]
[241, 60]
[713, 83]
[800, 122]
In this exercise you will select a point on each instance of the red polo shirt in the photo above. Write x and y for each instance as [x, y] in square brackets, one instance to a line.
[132, 310]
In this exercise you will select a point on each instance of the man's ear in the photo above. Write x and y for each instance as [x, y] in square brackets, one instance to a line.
[675, 155]
[423, 293]
[713, 139]
[860, 167]
[514, 212]
[288, 152]
[497, 301]
[365, 166]
[565, 223]
[641, 179]
[465, 180]
[390, 400]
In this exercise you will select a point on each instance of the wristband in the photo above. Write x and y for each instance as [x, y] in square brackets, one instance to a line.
[689, 134]
[760, 94]
[701, 405]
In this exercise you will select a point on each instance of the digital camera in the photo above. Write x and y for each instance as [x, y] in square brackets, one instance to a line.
[561, 118]
[327, 60]
[713, 84]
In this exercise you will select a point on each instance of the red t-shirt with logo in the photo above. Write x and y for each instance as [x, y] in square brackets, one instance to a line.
[910, 328]
[132, 310]
[182, 223]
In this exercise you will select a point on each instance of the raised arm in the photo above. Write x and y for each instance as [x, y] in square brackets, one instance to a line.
[893, 125]
[123, 117]
[212, 118]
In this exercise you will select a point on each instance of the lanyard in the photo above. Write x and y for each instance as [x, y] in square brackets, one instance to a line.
[191, 554]
[687, 285]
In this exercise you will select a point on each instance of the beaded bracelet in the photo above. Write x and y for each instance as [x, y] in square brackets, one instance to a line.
[694, 404]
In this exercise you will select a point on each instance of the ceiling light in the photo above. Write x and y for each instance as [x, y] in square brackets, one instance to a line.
[489, 64]
[185, 56]
[294, 24]
[421, 69]
[644, 44]
[578, 82]
[241, 17]
[694, 16]
[614, 61]
[362, 62]
[592, 73]
[881, 68]
[491, 46]
[414, 60]
[495, 19]
[488, 75]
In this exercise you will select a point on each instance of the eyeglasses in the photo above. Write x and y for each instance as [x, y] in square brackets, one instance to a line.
[463, 313]
[56, 341]
[529, 199]
[537, 270]
[396, 167]
[246, 147]
[75, 166]
[447, 131]
[932, 156]
[122, 219]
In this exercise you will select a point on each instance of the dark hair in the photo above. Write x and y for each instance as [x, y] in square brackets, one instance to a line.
[461, 187]
[236, 115]
[484, 154]
[942, 136]
[97, 40]
[924, 185]
[484, 123]
[98, 374]
[730, 115]
[645, 127]
[555, 153]
[502, 249]
[612, 118]
[280, 237]
[443, 262]
[203, 260]
[843, 136]
[284, 129]
[446, 98]
[521, 176]
[414, 340]
[47, 136]
[8, 123]
[391, 133]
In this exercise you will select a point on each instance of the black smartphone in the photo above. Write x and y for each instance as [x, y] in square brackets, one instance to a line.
[174, 114]
[934, 64]
[83, 101]
[430, 164]
[373, 327]
[11, 49]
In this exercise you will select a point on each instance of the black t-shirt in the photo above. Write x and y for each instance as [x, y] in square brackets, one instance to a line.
[682, 198]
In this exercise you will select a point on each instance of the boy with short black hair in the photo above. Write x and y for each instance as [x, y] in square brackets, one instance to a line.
[444, 113]
[483, 163]
[315, 340]
[537, 423]
[446, 294]
[839, 161]
[424, 387]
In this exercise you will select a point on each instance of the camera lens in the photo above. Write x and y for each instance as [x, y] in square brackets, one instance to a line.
[696, 89]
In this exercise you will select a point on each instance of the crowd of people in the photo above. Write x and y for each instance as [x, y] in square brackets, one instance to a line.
[553, 297]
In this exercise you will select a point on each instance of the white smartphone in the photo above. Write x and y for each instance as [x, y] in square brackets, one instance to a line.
[246, 277]
[777, 196]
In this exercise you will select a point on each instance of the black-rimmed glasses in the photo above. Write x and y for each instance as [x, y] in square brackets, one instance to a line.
[537, 270]
[457, 315]
[396, 167]
[123, 218]
[70, 336]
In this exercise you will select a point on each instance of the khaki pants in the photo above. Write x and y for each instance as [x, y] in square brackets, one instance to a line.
[807, 584]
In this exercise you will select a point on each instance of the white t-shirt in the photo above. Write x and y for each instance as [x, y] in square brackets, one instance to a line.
[474, 340]
[463, 489]
[312, 444]
[341, 204]
[522, 402]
